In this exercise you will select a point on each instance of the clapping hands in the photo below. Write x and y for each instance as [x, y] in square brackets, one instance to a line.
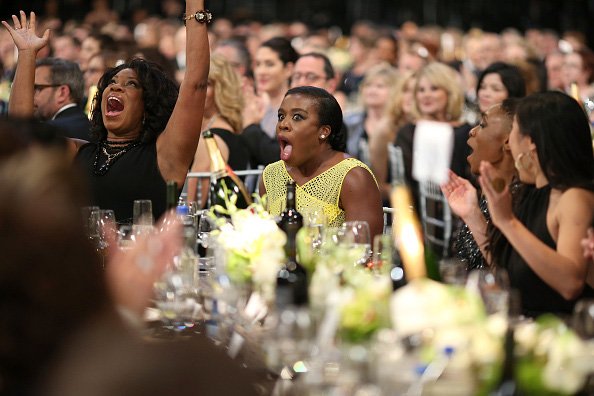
[499, 200]
[461, 196]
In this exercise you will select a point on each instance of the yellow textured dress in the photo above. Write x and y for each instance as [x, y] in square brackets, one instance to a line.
[321, 192]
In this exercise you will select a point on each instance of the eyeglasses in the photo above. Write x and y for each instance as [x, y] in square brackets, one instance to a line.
[40, 87]
[308, 77]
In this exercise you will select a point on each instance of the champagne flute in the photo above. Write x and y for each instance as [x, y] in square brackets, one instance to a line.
[356, 235]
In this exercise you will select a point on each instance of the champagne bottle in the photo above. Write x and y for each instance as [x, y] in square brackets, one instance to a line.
[223, 181]
[291, 281]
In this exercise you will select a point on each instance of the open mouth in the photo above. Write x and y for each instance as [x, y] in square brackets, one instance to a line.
[286, 148]
[114, 106]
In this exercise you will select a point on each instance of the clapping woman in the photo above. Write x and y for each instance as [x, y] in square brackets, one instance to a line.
[312, 151]
[543, 255]
[144, 130]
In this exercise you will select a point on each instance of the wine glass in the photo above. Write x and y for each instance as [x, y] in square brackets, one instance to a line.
[106, 228]
[315, 221]
[383, 254]
[355, 234]
[88, 221]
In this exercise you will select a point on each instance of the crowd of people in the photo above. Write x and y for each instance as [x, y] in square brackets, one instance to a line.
[127, 105]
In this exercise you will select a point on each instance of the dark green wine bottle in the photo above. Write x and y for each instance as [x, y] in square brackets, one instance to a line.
[224, 182]
[291, 281]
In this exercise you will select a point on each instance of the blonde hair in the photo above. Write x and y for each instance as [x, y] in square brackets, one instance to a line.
[228, 96]
[394, 108]
[446, 78]
[383, 70]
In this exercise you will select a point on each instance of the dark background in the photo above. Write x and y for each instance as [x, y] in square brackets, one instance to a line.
[491, 15]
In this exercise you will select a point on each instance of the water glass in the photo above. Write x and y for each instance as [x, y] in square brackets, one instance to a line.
[453, 271]
[494, 288]
[142, 216]
[583, 318]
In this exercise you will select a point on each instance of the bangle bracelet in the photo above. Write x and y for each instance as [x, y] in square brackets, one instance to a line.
[202, 16]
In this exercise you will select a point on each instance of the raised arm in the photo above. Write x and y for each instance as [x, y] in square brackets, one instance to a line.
[360, 198]
[28, 44]
[177, 144]
[564, 269]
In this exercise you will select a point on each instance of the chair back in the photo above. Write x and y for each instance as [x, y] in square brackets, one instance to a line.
[436, 218]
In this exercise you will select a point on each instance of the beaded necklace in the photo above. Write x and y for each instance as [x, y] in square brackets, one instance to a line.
[112, 150]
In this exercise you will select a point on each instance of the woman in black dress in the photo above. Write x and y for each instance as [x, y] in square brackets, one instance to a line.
[552, 148]
[144, 131]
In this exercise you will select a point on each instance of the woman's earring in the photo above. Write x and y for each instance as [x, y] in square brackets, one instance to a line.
[322, 136]
[523, 162]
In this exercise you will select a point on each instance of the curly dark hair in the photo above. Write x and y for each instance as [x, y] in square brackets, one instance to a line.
[329, 113]
[159, 95]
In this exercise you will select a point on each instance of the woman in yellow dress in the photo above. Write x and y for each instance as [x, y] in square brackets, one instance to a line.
[312, 154]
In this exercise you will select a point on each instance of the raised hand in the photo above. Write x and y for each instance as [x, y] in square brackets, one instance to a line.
[255, 104]
[24, 34]
[461, 196]
[499, 201]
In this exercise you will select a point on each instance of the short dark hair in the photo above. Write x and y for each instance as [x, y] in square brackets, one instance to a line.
[65, 72]
[282, 46]
[329, 113]
[559, 128]
[328, 68]
[510, 75]
[159, 96]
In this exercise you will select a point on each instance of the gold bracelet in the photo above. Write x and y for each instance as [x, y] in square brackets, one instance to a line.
[202, 16]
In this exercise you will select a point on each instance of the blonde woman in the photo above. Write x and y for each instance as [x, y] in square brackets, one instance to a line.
[438, 97]
[222, 115]
[399, 111]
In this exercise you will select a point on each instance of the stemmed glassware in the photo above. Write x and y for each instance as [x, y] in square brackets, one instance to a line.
[315, 222]
[355, 234]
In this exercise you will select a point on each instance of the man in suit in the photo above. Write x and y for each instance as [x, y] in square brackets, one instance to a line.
[59, 89]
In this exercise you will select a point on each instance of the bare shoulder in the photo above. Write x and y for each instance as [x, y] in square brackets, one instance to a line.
[576, 195]
[359, 175]
[576, 202]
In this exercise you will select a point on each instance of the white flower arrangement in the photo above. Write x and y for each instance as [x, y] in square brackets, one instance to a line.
[252, 246]
[550, 358]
